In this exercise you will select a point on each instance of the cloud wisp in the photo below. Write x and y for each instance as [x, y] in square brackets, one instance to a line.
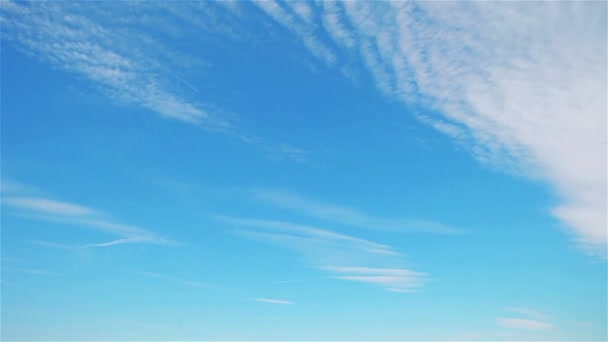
[523, 323]
[50, 210]
[65, 36]
[532, 320]
[32, 271]
[348, 216]
[110, 46]
[273, 301]
[524, 94]
[340, 256]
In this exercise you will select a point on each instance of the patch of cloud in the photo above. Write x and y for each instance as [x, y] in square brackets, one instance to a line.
[522, 84]
[118, 56]
[51, 210]
[345, 215]
[306, 31]
[62, 35]
[51, 207]
[341, 256]
[529, 313]
[273, 301]
[31, 271]
[392, 279]
[522, 323]
[533, 320]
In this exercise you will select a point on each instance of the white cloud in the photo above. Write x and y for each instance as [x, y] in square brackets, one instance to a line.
[530, 313]
[527, 324]
[50, 210]
[345, 215]
[46, 206]
[68, 38]
[273, 301]
[292, 22]
[523, 84]
[112, 48]
[31, 271]
[534, 320]
[393, 279]
[341, 256]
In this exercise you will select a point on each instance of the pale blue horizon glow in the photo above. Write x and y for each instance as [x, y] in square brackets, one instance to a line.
[323, 171]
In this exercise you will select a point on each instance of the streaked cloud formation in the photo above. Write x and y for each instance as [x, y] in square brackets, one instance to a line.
[524, 95]
[50, 210]
[273, 301]
[533, 320]
[342, 256]
[62, 35]
[124, 62]
[343, 215]
[522, 323]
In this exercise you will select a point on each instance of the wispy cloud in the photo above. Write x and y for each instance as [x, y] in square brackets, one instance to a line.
[185, 282]
[533, 320]
[51, 210]
[529, 313]
[273, 301]
[110, 47]
[31, 271]
[341, 256]
[46, 206]
[62, 35]
[525, 95]
[52, 244]
[521, 323]
[393, 279]
[292, 19]
[345, 215]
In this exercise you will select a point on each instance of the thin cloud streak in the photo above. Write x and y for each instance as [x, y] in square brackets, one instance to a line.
[527, 324]
[529, 313]
[273, 301]
[58, 34]
[345, 215]
[343, 257]
[48, 206]
[44, 209]
[533, 320]
[523, 95]
[31, 271]
[124, 64]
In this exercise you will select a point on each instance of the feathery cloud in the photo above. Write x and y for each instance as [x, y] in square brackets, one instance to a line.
[127, 64]
[66, 37]
[345, 215]
[50, 210]
[342, 256]
[31, 271]
[525, 94]
[273, 301]
[521, 323]
[533, 320]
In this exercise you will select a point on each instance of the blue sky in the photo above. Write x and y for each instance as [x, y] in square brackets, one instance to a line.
[303, 171]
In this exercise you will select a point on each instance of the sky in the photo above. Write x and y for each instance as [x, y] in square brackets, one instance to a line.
[303, 171]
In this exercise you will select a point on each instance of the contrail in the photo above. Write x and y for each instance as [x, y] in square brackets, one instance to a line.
[186, 83]
[174, 75]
